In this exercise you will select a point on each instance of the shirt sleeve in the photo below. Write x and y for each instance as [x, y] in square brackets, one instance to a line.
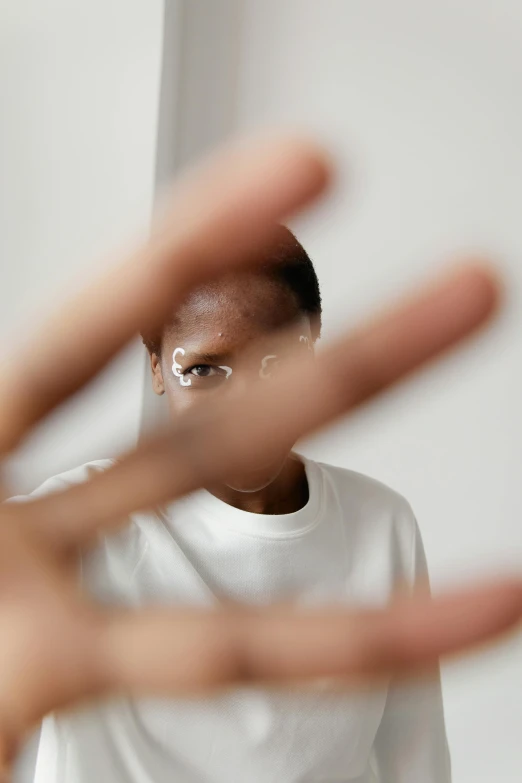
[411, 744]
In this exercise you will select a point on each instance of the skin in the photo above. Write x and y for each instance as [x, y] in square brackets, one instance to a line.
[234, 323]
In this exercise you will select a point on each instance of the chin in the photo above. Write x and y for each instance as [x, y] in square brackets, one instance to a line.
[255, 481]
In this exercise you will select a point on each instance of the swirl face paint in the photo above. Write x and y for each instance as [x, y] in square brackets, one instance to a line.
[268, 364]
[265, 371]
[177, 369]
[271, 360]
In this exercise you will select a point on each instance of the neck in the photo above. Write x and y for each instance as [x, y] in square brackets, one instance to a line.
[285, 495]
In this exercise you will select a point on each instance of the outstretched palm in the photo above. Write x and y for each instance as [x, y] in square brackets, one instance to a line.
[57, 647]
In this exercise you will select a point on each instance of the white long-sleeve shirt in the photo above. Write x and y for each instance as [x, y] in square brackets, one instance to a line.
[352, 543]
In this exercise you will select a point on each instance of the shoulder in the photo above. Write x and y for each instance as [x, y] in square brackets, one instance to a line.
[76, 475]
[377, 519]
[365, 493]
[371, 510]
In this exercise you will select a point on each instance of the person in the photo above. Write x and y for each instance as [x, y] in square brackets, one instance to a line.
[271, 526]
[285, 530]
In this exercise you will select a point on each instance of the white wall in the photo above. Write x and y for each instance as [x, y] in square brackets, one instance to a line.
[79, 89]
[422, 105]
[199, 75]
[421, 102]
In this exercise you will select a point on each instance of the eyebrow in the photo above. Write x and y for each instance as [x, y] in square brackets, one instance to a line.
[194, 357]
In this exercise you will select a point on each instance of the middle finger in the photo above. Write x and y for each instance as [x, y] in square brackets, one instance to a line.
[229, 437]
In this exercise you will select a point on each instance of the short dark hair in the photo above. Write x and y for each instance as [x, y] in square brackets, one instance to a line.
[288, 264]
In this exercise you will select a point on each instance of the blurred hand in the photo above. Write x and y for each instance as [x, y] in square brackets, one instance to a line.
[57, 647]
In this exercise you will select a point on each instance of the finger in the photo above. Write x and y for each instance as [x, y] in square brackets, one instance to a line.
[195, 652]
[188, 652]
[217, 217]
[232, 437]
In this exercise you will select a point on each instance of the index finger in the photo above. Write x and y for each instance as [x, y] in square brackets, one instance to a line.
[218, 217]
[228, 436]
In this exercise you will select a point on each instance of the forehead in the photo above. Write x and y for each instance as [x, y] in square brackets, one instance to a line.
[233, 311]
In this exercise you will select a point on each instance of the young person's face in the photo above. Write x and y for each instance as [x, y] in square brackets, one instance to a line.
[203, 352]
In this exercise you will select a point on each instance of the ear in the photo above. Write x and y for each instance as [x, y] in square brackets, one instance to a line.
[158, 384]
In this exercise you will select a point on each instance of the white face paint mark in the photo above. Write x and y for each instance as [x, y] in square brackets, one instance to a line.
[177, 368]
[264, 372]
[228, 371]
[306, 340]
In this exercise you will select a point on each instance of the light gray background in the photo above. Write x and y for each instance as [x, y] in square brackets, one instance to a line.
[420, 103]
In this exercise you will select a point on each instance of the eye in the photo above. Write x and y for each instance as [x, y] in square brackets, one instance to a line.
[206, 371]
[201, 370]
